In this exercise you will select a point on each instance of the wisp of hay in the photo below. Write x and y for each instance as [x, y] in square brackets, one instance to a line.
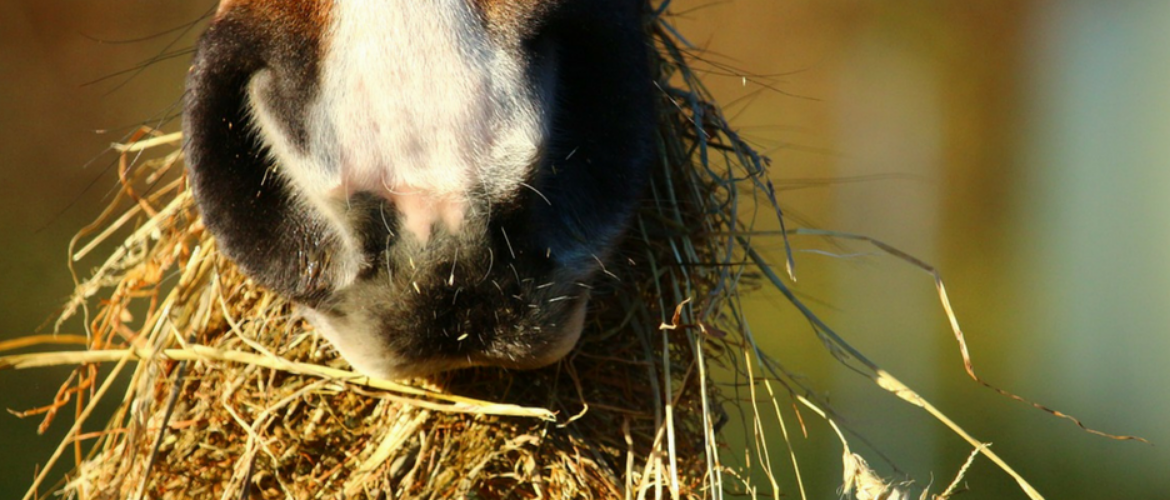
[224, 392]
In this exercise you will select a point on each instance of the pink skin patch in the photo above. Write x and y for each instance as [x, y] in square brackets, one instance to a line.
[421, 211]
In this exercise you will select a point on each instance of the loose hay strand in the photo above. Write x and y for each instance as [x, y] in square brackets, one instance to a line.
[74, 430]
[953, 320]
[195, 352]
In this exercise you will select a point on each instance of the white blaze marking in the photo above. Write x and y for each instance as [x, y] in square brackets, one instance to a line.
[416, 104]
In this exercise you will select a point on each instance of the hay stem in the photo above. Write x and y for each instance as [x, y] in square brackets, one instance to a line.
[787, 439]
[75, 430]
[145, 144]
[713, 479]
[196, 352]
[761, 438]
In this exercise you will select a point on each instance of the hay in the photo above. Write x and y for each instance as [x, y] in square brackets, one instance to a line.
[231, 395]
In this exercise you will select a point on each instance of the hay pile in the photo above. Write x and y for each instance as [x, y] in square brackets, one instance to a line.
[227, 393]
[231, 395]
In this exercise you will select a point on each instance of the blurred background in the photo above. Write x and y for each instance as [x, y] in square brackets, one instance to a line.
[1020, 146]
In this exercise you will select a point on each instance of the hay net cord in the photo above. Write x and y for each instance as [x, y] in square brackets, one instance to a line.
[222, 391]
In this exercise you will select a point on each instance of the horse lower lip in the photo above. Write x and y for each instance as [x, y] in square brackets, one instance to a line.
[435, 326]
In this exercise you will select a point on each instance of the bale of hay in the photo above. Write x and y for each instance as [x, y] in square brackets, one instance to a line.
[231, 395]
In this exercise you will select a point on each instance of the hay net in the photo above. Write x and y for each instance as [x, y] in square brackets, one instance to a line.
[222, 391]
